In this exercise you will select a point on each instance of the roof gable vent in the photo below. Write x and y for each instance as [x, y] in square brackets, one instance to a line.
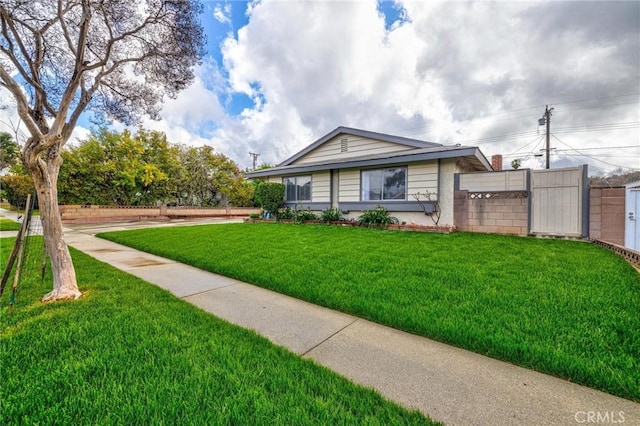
[344, 145]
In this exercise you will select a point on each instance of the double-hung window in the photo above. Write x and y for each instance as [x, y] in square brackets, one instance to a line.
[297, 188]
[384, 184]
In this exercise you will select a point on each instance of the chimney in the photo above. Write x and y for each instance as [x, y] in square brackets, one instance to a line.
[496, 162]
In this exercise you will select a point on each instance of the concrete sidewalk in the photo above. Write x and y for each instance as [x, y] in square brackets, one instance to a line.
[445, 383]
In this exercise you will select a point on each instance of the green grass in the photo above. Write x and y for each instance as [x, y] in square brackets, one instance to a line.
[566, 308]
[8, 225]
[128, 352]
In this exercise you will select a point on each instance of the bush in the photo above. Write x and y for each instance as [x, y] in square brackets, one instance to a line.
[331, 215]
[302, 215]
[270, 196]
[254, 215]
[287, 214]
[15, 189]
[378, 216]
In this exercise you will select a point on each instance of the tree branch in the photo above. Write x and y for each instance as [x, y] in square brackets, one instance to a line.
[78, 71]
[21, 100]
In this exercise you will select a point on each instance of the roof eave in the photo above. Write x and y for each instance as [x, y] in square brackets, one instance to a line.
[472, 151]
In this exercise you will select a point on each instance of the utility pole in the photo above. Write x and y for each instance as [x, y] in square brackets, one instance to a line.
[255, 159]
[546, 119]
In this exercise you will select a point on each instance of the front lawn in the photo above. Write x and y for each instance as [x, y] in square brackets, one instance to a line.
[130, 353]
[8, 225]
[562, 307]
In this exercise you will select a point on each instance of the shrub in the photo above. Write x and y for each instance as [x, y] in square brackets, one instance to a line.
[378, 216]
[270, 196]
[15, 189]
[254, 215]
[287, 214]
[331, 215]
[302, 215]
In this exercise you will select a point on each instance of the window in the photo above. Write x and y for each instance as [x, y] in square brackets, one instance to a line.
[297, 188]
[384, 184]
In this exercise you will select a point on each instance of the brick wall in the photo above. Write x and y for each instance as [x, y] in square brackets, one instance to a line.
[607, 214]
[90, 214]
[491, 215]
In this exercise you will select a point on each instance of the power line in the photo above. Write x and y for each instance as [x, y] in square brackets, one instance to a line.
[600, 106]
[606, 147]
[537, 138]
[595, 99]
[589, 156]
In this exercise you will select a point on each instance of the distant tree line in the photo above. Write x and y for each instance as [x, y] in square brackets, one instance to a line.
[616, 178]
[140, 169]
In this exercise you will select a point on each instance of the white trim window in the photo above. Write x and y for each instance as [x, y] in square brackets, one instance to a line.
[384, 184]
[297, 188]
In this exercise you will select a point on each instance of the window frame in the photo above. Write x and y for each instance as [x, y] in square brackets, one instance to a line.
[298, 187]
[383, 170]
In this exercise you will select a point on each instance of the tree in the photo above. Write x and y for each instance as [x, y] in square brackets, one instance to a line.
[112, 168]
[16, 185]
[116, 58]
[9, 151]
[618, 177]
[209, 179]
[515, 164]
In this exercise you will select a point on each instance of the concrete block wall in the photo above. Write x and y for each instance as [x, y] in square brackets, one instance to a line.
[607, 215]
[491, 215]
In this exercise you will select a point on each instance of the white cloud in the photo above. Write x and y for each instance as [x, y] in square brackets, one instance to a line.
[324, 64]
[222, 13]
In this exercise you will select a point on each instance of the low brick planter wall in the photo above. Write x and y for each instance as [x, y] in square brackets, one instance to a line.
[95, 214]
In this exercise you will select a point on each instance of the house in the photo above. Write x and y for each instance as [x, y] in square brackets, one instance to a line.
[356, 170]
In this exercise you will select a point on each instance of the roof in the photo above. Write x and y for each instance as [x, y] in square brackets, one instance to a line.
[471, 153]
[414, 143]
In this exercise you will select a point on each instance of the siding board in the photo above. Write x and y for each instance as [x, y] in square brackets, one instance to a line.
[321, 187]
[357, 146]
[349, 185]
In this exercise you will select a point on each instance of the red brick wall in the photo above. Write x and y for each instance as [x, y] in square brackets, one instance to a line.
[491, 215]
[90, 214]
[607, 214]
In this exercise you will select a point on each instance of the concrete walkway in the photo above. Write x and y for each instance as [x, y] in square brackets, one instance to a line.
[448, 384]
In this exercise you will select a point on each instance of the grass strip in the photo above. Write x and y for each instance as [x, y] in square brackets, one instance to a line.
[8, 225]
[128, 352]
[565, 308]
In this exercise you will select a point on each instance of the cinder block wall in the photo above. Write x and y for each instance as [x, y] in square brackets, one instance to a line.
[491, 215]
[607, 214]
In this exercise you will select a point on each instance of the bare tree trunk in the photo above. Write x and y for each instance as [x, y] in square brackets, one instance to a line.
[45, 179]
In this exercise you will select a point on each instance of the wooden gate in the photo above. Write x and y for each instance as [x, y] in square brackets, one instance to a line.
[559, 202]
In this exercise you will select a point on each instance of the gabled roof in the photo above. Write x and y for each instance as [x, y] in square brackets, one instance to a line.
[470, 153]
[414, 143]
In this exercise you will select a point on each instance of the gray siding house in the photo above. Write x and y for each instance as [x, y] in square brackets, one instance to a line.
[356, 170]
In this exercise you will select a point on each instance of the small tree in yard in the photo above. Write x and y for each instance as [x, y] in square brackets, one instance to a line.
[117, 58]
